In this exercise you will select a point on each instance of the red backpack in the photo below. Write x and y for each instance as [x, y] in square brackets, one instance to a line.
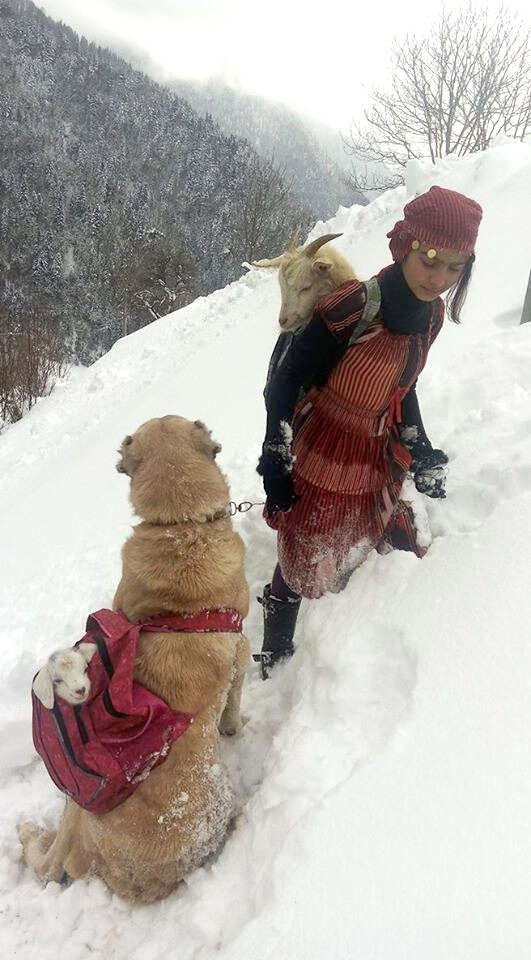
[100, 751]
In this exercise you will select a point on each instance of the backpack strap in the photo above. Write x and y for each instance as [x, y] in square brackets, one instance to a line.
[223, 620]
[372, 306]
[107, 628]
[109, 622]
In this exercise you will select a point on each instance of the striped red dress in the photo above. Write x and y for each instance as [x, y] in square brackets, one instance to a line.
[349, 462]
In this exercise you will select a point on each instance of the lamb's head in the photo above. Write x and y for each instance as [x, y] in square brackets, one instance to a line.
[306, 274]
[65, 674]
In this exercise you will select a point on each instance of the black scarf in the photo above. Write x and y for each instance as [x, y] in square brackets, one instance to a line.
[402, 311]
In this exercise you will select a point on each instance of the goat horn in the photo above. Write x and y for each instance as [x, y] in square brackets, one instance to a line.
[314, 246]
[268, 263]
[294, 239]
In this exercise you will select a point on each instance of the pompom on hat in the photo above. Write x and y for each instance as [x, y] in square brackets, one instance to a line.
[442, 219]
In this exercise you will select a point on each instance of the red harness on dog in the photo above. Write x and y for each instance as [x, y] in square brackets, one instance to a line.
[100, 751]
[224, 620]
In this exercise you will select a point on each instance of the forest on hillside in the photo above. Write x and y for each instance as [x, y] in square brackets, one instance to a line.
[118, 202]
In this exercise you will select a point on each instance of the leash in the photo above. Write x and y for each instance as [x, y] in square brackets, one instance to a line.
[230, 510]
[243, 507]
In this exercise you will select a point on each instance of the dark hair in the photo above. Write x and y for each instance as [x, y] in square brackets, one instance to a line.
[457, 296]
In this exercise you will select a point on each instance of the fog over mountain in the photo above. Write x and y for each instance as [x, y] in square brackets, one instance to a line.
[309, 152]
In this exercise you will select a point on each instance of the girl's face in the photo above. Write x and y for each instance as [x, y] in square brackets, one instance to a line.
[429, 278]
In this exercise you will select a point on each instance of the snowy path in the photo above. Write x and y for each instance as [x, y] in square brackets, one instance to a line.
[384, 774]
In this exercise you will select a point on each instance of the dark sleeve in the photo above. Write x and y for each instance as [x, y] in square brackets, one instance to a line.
[309, 360]
[411, 416]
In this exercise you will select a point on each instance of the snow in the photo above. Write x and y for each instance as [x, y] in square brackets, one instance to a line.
[384, 773]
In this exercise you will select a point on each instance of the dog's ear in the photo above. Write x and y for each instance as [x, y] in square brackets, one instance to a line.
[128, 461]
[43, 688]
[205, 442]
[87, 650]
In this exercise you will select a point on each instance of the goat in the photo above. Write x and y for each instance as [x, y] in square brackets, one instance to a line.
[65, 674]
[306, 275]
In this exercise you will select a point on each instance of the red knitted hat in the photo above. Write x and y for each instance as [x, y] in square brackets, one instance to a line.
[443, 219]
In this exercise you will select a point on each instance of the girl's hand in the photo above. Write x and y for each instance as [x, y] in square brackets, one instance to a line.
[425, 456]
[275, 468]
[431, 480]
[280, 494]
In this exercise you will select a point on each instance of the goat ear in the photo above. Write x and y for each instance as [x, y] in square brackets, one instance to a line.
[321, 266]
[268, 263]
[43, 688]
[87, 650]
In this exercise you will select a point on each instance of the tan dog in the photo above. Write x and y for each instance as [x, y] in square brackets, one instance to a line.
[183, 557]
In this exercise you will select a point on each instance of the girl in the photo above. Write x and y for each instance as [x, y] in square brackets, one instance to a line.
[334, 458]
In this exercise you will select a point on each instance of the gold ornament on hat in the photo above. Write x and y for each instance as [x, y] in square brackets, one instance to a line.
[431, 253]
[415, 245]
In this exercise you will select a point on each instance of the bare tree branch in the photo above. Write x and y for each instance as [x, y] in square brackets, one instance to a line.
[267, 211]
[452, 92]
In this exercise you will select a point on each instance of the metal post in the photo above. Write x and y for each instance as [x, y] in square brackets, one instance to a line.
[526, 312]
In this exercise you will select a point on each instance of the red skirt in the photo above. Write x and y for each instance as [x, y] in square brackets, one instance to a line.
[326, 535]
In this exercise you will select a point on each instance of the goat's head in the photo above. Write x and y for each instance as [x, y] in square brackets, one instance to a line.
[306, 274]
[65, 674]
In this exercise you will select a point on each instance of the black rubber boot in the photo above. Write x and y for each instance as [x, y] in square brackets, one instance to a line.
[280, 618]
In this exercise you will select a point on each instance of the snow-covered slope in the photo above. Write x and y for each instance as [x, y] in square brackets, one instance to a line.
[384, 774]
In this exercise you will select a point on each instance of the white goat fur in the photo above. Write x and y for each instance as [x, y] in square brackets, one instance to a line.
[65, 674]
[306, 274]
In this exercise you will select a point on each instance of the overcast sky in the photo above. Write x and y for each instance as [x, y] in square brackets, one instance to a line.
[320, 56]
